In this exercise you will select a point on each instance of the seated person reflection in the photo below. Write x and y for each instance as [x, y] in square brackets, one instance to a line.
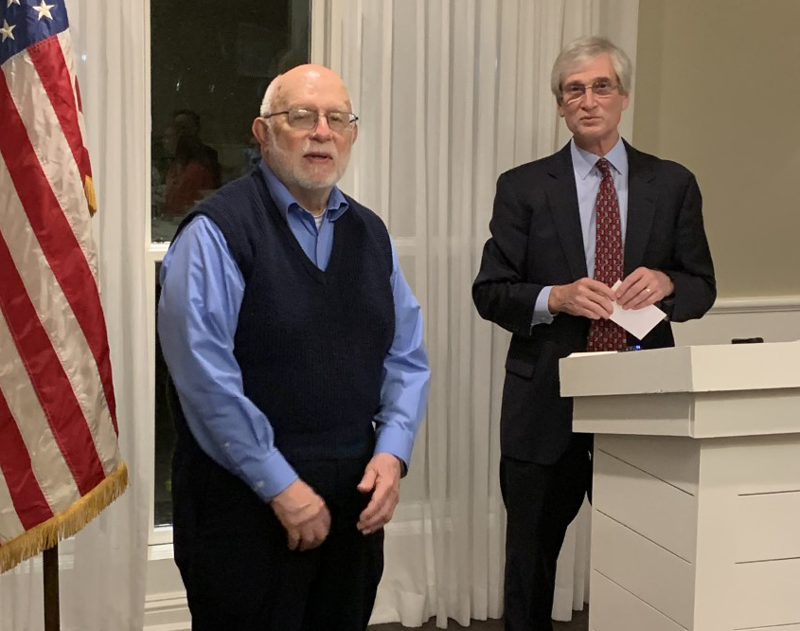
[188, 176]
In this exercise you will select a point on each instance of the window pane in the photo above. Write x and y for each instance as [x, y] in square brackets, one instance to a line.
[164, 434]
[209, 71]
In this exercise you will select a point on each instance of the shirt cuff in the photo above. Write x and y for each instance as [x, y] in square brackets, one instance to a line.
[269, 477]
[541, 314]
[395, 441]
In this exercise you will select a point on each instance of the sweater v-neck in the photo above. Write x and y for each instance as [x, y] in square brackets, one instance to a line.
[274, 215]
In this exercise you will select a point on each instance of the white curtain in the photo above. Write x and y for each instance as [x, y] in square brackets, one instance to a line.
[103, 569]
[451, 93]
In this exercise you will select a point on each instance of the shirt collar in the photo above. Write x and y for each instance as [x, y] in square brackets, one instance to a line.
[583, 161]
[284, 200]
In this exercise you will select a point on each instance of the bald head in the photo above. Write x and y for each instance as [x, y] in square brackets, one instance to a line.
[308, 80]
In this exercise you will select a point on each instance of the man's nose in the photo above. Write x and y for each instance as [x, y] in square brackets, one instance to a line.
[322, 130]
[589, 99]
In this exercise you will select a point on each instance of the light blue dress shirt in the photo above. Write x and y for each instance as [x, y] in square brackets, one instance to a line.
[587, 181]
[201, 294]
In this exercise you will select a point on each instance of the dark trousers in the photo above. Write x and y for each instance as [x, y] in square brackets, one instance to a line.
[541, 501]
[238, 571]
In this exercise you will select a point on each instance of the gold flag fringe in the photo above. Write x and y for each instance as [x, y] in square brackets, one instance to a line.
[65, 524]
[88, 189]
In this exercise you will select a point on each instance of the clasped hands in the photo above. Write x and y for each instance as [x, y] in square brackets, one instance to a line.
[592, 299]
[307, 520]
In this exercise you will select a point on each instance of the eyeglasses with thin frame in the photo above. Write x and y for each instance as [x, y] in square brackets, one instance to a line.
[302, 118]
[602, 88]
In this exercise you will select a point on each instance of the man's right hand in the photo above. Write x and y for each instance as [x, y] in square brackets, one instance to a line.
[585, 297]
[304, 515]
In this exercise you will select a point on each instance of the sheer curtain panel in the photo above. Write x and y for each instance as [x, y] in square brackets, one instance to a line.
[451, 93]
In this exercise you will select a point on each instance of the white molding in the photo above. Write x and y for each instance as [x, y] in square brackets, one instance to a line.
[157, 250]
[167, 612]
[757, 304]
[177, 626]
[161, 551]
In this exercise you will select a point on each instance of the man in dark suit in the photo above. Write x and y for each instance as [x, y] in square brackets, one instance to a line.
[564, 229]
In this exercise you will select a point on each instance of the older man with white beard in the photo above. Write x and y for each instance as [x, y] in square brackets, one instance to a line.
[300, 376]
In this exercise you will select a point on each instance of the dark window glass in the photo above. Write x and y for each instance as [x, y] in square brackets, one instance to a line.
[164, 434]
[211, 63]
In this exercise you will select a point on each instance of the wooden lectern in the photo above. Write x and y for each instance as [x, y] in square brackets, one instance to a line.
[696, 507]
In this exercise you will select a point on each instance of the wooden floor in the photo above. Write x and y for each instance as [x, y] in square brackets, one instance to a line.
[580, 622]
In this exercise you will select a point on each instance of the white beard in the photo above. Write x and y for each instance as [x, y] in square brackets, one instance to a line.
[282, 166]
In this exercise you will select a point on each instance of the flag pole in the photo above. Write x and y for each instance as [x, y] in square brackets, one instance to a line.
[52, 621]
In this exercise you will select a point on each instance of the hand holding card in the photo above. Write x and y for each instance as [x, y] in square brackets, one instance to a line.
[638, 322]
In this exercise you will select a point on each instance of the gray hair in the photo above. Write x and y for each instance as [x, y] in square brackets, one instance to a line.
[578, 53]
[268, 101]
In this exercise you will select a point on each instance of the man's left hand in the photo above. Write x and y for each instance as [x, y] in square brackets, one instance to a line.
[644, 287]
[382, 476]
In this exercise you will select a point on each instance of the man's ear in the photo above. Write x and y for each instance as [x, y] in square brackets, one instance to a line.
[355, 134]
[260, 130]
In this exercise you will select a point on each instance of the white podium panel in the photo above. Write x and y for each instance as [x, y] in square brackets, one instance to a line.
[696, 514]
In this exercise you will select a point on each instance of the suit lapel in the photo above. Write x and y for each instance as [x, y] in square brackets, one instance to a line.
[642, 193]
[563, 197]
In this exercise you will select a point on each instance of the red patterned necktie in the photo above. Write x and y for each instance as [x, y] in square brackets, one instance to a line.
[605, 335]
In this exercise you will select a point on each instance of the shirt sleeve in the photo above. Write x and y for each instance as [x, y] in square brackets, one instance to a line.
[201, 294]
[541, 314]
[404, 392]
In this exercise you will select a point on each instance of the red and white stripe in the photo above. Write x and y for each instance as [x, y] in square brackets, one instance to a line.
[65, 41]
[57, 411]
[10, 525]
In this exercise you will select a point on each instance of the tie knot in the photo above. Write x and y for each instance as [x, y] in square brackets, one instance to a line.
[604, 166]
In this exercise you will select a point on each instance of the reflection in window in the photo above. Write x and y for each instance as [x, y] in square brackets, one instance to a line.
[210, 68]
[209, 71]
[165, 433]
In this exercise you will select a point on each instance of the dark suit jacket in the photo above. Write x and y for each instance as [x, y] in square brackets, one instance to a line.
[536, 241]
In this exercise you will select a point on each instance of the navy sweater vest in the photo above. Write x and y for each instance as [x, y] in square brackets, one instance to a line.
[310, 344]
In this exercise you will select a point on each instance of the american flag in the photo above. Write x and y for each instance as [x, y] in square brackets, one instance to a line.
[60, 463]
